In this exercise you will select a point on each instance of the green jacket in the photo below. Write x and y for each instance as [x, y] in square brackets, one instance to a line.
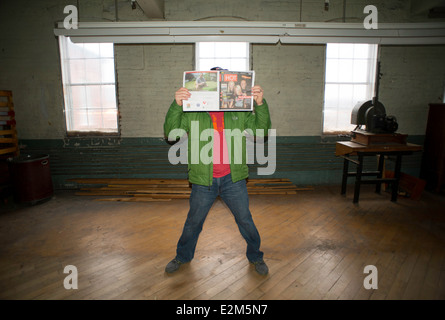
[194, 123]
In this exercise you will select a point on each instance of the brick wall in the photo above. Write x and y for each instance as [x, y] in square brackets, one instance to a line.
[148, 75]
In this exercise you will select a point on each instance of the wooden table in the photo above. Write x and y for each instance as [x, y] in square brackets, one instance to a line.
[346, 149]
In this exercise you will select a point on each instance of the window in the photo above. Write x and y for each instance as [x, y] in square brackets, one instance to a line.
[350, 78]
[228, 55]
[89, 86]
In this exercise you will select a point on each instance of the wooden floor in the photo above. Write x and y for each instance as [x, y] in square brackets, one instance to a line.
[316, 244]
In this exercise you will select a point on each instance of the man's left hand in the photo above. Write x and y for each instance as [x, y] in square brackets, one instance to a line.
[257, 93]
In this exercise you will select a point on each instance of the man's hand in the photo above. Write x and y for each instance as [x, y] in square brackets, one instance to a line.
[257, 93]
[182, 94]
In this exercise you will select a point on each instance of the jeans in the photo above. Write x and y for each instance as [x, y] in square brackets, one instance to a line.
[201, 200]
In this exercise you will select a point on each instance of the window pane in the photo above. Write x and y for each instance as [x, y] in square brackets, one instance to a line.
[224, 63]
[361, 51]
[206, 49]
[107, 97]
[332, 50]
[107, 70]
[75, 50]
[207, 64]
[93, 97]
[238, 49]
[228, 55]
[346, 50]
[79, 97]
[360, 93]
[109, 118]
[331, 96]
[77, 71]
[91, 50]
[350, 76]
[79, 120]
[345, 96]
[238, 65]
[332, 70]
[88, 75]
[107, 50]
[345, 70]
[94, 118]
[222, 50]
[360, 71]
[92, 71]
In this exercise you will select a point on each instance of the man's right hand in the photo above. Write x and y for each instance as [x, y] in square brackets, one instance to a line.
[182, 94]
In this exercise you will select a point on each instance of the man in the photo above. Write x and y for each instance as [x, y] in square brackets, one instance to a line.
[200, 82]
[225, 176]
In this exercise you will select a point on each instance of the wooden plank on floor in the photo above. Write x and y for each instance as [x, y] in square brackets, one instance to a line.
[133, 199]
[128, 181]
[429, 287]
[163, 196]
[142, 187]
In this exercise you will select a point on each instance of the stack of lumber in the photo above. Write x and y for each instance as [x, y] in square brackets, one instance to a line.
[9, 146]
[167, 189]
[8, 134]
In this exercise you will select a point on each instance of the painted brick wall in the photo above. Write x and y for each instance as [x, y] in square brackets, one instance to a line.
[148, 75]
[292, 77]
[412, 78]
[30, 67]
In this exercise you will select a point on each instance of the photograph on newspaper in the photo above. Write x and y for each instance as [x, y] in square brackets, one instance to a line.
[236, 90]
[204, 89]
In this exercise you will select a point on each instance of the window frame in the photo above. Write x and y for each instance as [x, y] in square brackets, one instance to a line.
[371, 77]
[67, 94]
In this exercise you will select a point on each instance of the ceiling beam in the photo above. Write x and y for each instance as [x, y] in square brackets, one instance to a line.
[153, 9]
[254, 32]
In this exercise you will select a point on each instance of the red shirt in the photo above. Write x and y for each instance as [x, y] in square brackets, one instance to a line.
[221, 163]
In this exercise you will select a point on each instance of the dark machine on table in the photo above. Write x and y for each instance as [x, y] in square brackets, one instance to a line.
[374, 135]
[378, 126]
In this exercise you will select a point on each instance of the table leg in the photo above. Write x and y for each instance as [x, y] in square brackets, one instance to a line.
[344, 179]
[358, 178]
[395, 184]
[378, 185]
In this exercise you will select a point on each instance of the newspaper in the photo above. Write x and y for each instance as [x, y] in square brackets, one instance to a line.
[219, 90]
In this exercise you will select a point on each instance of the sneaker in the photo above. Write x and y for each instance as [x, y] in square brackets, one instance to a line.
[173, 266]
[261, 267]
